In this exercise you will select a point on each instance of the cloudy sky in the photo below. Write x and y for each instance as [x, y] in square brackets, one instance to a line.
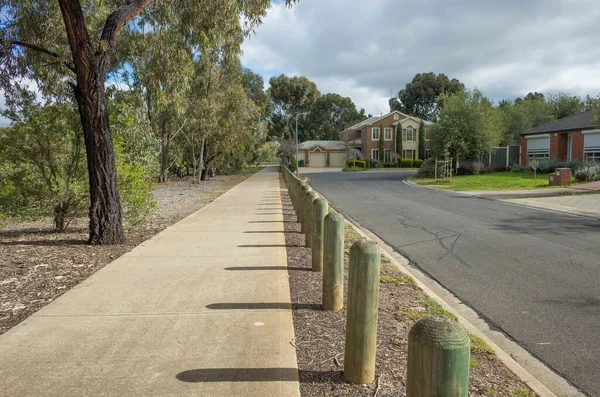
[366, 49]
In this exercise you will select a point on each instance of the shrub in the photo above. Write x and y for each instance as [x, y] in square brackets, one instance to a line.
[464, 170]
[356, 163]
[135, 188]
[406, 163]
[588, 175]
[293, 164]
[478, 168]
[427, 169]
[374, 163]
[574, 165]
[389, 165]
[417, 163]
[548, 166]
[517, 168]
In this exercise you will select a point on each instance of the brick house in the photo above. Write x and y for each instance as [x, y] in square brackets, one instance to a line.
[322, 154]
[575, 137]
[364, 136]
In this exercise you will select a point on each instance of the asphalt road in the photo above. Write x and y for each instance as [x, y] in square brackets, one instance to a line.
[532, 273]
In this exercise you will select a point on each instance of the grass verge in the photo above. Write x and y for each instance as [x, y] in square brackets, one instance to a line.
[496, 181]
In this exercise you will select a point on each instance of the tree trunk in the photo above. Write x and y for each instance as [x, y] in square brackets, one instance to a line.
[106, 219]
[164, 154]
[201, 159]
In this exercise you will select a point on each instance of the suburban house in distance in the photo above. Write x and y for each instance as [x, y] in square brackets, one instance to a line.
[575, 137]
[322, 154]
[364, 136]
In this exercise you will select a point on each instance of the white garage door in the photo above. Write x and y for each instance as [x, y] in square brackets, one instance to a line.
[337, 159]
[317, 159]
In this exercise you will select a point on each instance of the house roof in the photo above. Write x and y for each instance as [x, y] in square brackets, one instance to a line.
[579, 121]
[372, 120]
[328, 145]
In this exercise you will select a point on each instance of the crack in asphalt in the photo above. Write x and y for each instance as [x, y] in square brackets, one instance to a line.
[437, 236]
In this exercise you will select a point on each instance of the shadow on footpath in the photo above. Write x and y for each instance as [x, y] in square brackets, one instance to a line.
[259, 375]
[307, 269]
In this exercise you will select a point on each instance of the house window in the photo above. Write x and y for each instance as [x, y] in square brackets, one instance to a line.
[593, 156]
[375, 154]
[410, 134]
[538, 155]
[427, 153]
[375, 133]
[408, 154]
[427, 134]
[396, 116]
[387, 155]
[387, 134]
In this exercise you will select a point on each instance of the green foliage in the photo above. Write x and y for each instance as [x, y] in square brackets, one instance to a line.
[293, 164]
[427, 169]
[135, 185]
[42, 165]
[406, 163]
[468, 127]
[422, 140]
[424, 95]
[588, 174]
[402, 279]
[517, 168]
[399, 139]
[356, 164]
[328, 115]
[417, 163]
[565, 104]
[479, 346]
[289, 97]
[381, 145]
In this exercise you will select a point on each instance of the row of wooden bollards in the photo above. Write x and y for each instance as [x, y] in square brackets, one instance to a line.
[438, 348]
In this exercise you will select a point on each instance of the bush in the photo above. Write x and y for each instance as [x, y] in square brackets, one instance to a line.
[517, 168]
[417, 163]
[356, 163]
[293, 164]
[585, 175]
[135, 185]
[574, 165]
[374, 163]
[390, 165]
[406, 163]
[427, 169]
[478, 168]
[548, 166]
[464, 170]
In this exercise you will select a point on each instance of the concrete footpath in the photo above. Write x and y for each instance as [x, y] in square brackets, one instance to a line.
[201, 309]
[582, 204]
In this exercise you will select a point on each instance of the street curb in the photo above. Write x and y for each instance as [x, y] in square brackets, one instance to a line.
[566, 389]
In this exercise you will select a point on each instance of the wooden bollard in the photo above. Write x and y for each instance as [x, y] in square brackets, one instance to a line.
[320, 210]
[308, 218]
[302, 207]
[438, 359]
[363, 303]
[333, 262]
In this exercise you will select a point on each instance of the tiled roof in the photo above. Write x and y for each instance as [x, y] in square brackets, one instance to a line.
[580, 121]
[372, 120]
[329, 145]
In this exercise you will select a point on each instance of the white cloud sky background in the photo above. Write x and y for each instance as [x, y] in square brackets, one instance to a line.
[367, 49]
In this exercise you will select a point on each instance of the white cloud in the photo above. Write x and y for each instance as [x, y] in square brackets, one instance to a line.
[363, 49]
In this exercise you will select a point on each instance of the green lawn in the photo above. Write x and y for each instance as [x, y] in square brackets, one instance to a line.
[496, 181]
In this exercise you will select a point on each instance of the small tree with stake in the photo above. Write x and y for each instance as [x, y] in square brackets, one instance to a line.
[534, 164]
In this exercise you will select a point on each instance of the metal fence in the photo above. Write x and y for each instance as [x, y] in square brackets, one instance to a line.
[499, 157]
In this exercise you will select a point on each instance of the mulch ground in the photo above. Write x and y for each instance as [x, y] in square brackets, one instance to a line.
[38, 265]
[320, 335]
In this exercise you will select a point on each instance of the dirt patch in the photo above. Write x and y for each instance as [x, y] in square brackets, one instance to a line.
[38, 265]
[320, 335]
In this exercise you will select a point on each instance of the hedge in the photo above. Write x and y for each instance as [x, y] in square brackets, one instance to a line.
[406, 163]
[357, 163]
[417, 163]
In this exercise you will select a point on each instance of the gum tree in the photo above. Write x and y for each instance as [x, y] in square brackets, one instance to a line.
[63, 41]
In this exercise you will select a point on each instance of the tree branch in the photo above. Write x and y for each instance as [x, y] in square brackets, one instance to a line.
[120, 18]
[44, 51]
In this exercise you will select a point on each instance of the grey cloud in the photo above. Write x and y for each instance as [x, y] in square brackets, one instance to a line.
[505, 48]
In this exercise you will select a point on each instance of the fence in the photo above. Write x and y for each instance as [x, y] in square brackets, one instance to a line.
[499, 157]
[438, 348]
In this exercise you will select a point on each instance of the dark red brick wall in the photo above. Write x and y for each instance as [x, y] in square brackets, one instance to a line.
[523, 151]
[562, 146]
[577, 146]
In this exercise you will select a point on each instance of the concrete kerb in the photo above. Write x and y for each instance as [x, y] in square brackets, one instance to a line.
[467, 317]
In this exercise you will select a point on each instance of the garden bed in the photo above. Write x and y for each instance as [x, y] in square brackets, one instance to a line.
[38, 265]
[320, 335]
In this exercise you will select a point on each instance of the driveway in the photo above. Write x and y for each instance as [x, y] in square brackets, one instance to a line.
[533, 274]
[318, 170]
